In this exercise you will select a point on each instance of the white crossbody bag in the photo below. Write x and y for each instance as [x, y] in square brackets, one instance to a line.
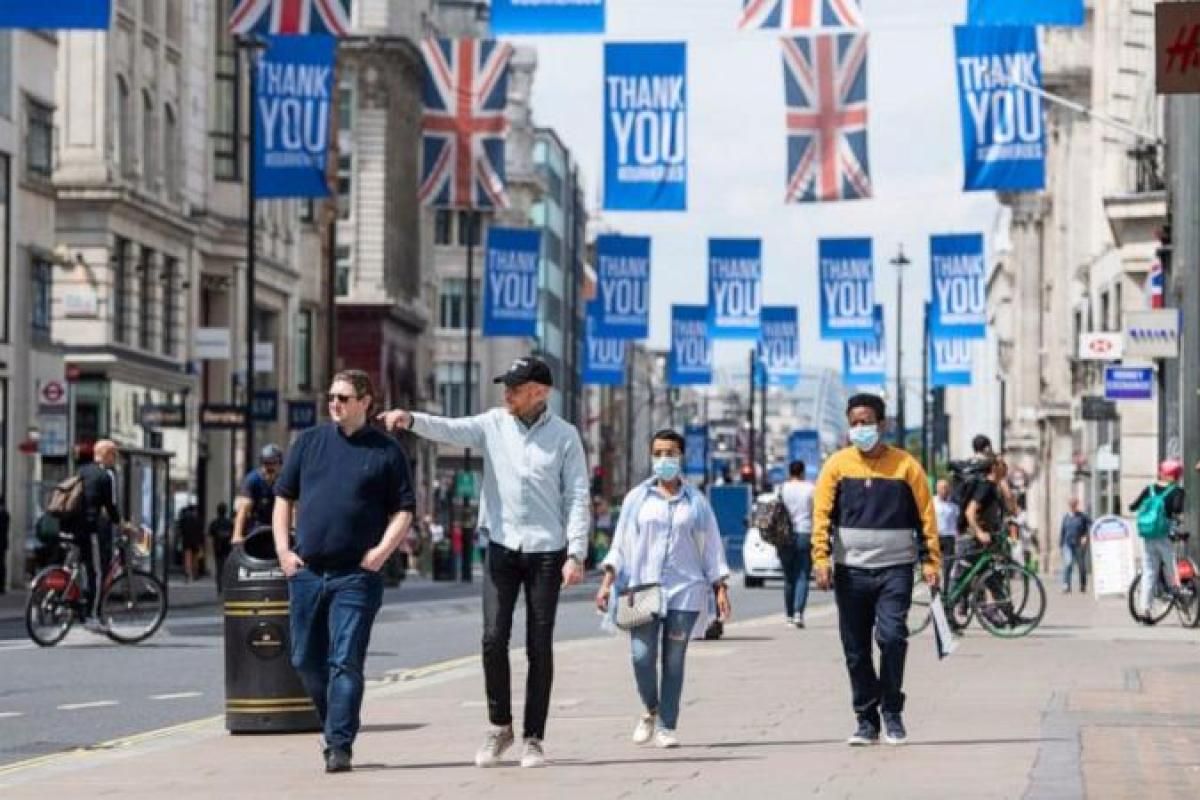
[640, 604]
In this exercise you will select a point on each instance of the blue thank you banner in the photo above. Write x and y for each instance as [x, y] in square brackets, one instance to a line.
[645, 126]
[604, 357]
[1003, 133]
[864, 361]
[691, 349]
[780, 345]
[695, 455]
[847, 289]
[1025, 12]
[292, 101]
[547, 16]
[511, 274]
[623, 287]
[806, 446]
[950, 361]
[60, 15]
[958, 286]
[734, 288]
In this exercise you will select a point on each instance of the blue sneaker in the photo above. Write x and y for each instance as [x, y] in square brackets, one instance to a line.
[867, 734]
[893, 729]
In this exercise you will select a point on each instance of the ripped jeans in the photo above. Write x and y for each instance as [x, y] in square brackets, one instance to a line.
[674, 632]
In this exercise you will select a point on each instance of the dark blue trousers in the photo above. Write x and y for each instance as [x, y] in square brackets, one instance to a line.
[874, 601]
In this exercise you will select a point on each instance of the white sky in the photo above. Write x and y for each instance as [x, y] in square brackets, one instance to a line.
[737, 156]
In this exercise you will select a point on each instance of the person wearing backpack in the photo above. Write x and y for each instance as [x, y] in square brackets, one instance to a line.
[796, 495]
[92, 524]
[1156, 507]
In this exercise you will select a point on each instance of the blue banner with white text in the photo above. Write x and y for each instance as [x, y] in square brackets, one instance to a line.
[510, 290]
[90, 15]
[645, 126]
[805, 446]
[547, 16]
[781, 345]
[847, 276]
[690, 363]
[950, 362]
[623, 286]
[603, 357]
[292, 103]
[1003, 132]
[695, 454]
[734, 288]
[864, 361]
[1025, 12]
[958, 286]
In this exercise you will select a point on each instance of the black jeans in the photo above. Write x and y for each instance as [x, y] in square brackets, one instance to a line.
[95, 550]
[878, 600]
[505, 574]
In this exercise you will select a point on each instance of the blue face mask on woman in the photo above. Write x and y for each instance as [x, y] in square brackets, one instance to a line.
[667, 468]
[864, 437]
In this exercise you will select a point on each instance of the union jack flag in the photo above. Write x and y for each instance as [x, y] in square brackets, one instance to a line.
[464, 123]
[825, 78]
[290, 17]
[1155, 288]
[793, 14]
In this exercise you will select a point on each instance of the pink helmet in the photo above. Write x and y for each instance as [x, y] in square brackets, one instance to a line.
[1172, 468]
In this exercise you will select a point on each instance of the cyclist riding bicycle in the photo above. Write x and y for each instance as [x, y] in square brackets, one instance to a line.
[982, 519]
[1158, 507]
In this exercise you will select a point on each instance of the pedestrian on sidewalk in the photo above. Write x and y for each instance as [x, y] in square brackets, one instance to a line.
[191, 536]
[5, 521]
[1158, 507]
[796, 494]
[534, 512]
[666, 535]
[256, 496]
[351, 489]
[220, 531]
[1073, 541]
[877, 497]
[947, 513]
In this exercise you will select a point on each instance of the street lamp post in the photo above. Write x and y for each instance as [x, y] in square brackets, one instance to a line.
[900, 262]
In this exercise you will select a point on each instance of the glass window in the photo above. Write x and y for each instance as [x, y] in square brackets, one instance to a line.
[145, 297]
[125, 135]
[443, 222]
[466, 227]
[344, 255]
[5, 224]
[304, 350]
[451, 390]
[453, 304]
[149, 141]
[6, 73]
[174, 20]
[170, 306]
[41, 292]
[172, 163]
[39, 139]
[120, 290]
[150, 14]
[226, 123]
[345, 174]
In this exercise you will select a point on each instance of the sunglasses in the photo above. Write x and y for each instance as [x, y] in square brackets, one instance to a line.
[342, 398]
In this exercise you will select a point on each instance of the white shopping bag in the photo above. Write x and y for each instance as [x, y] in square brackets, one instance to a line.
[942, 635]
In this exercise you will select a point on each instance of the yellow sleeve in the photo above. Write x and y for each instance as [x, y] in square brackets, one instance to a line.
[918, 482]
[823, 497]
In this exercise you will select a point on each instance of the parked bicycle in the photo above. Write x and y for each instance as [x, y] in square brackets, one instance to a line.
[132, 602]
[1186, 602]
[1006, 597]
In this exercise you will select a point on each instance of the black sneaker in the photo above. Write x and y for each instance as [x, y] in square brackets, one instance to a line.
[337, 760]
[866, 734]
[893, 729]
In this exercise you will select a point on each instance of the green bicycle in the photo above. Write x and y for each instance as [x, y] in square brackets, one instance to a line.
[1007, 598]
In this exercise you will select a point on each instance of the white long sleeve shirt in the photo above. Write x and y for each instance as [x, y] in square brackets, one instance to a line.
[535, 495]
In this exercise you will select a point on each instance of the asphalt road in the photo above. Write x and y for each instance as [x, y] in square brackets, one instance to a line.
[88, 690]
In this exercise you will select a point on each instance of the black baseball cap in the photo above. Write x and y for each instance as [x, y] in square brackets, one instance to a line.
[529, 369]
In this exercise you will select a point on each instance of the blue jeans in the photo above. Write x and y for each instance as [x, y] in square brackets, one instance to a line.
[675, 632]
[1074, 556]
[797, 569]
[331, 617]
[874, 600]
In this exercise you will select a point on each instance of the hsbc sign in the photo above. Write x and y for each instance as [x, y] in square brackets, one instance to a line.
[1101, 346]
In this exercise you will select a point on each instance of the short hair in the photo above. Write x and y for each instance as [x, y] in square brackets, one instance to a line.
[796, 469]
[669, 435]
[871, 401]
[222, 509]
[360, 380]
[981, 443]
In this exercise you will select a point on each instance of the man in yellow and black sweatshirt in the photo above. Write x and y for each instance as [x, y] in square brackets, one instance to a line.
[873, 501]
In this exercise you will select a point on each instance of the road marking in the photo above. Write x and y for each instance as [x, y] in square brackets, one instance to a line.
[93, 704]
[176, 696]
[8, 714]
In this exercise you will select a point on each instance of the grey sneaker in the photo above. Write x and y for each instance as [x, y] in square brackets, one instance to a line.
[867, 733]
[533, 756]
[893, 729]
[499, 739]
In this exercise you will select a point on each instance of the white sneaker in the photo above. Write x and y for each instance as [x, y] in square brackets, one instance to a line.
[789, 621]
[666, 738]
[534, 756]
[644, 731]
[498, 740]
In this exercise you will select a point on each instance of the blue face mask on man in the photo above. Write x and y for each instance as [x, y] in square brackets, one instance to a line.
[864, 437]
[667, 468]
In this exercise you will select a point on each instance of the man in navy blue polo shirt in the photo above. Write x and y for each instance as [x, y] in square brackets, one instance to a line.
[351, 487]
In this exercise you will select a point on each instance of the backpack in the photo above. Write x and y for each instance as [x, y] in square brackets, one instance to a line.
[1152, 521]
[964, 479]
[66, 499]
[774, 523]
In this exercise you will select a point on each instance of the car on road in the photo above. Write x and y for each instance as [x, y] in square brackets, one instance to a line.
[760, 560]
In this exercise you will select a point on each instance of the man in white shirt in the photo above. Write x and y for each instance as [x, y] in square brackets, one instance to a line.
[947, 514]
[797, 497]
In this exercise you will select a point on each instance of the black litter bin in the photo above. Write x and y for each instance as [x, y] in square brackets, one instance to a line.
[263, 693]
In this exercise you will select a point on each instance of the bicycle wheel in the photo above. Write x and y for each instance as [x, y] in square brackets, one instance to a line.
[134, 607]
[1009, 601]
[1160, 603]
[918, 611]
[48, 614]
[1188, 604]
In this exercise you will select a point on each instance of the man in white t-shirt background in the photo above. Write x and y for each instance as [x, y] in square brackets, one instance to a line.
[947, 513]
[797, 496]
